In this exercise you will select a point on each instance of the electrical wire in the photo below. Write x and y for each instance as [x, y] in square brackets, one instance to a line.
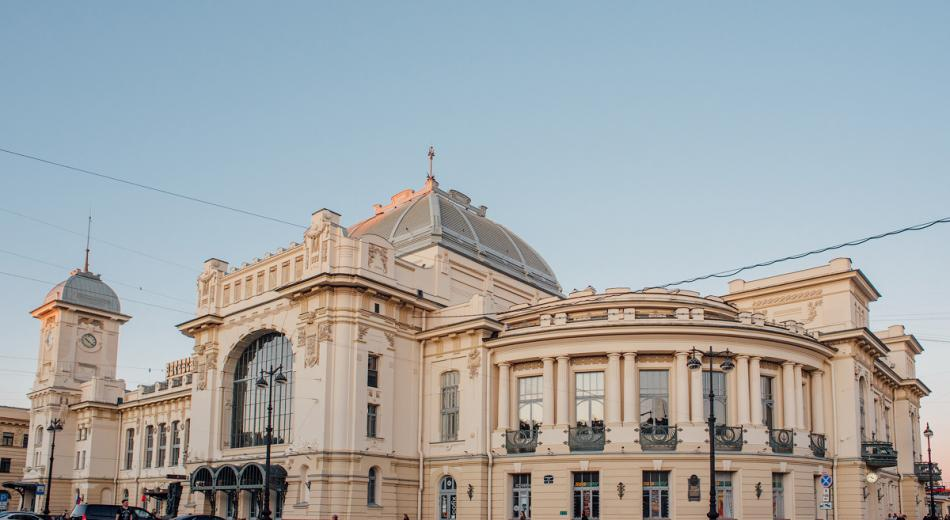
[149, 188]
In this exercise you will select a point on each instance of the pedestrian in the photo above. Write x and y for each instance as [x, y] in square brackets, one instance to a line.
[124, 513]
[522, 516]
[405, 516]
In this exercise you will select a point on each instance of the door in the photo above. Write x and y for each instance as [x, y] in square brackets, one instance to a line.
[447, 500]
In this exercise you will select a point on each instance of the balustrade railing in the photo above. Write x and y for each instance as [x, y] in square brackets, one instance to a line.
[728, 438]
[922, 472]
[816, 441]
[587, 438]
[521, 441]
[782, 441]
[878, 454]
[658, 437]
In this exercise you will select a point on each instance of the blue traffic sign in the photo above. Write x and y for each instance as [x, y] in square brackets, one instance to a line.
[825, 480]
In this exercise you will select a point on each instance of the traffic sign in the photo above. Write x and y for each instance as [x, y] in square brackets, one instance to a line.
[824, 506]
[40, 489]
[825, 480]
[826, 495]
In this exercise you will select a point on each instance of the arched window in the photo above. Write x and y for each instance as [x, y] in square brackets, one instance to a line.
[450, 405]
[249, 403]
[862, 412]
[372, 487]
[162, 444]
[39, 437]
[447, 498]
[149, 445]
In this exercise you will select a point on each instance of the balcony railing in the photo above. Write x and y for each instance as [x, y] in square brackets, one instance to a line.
[877, 454]
[922, 472]
[782, 441]
[728, 438]
[658, 437]
[816, 441]
[521, 441]
[587, 438]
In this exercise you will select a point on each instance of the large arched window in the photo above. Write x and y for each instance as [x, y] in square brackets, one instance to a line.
[249, 403]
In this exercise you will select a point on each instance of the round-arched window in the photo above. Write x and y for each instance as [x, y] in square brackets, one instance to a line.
[249, 402]
[447, 498]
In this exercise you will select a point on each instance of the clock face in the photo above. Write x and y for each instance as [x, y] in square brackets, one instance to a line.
[88, 341]
[871, 477]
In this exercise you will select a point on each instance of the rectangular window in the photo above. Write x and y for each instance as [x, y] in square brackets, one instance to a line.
[372, 371]
[272, 278]
[162, 445]
[227, 295]
[4, 465]
[521, 495]
[285, 273]
[237, 291]
[7, 439]
[655, 397]
[778, 496]
[298, 267]
[372, 412]
[767, 385]
[589, 398]
[586, 495]
[176, 445]
[248, 287]
[26, 440]
[260, 282]
[149, 445]
[450, 406]
[530, 402]
[656, 495]
[887, 424]
[724, 499]
[129, 447]
[719, 396]
[187, 438]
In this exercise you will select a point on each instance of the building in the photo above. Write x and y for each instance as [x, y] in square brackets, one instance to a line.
[14, 428]
[434, 368]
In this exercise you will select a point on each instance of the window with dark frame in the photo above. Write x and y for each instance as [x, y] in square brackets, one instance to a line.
[372, 414]
[7, 438]
[5, 465]
[175, 458]
[129, 447]
[372, 371]
[449, 406]
[162, 444]
[149, 445]
[371, 485]
[249, 403]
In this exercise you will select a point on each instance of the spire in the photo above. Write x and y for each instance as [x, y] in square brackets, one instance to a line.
[431, 183]
[85, 267]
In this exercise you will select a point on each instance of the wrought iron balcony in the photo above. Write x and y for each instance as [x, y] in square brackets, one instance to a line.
[877, 454]
[816, 441]
[782, 441]
[587, 438]
[658, 437]
[922, 472]
[521, 441]
[728, 438]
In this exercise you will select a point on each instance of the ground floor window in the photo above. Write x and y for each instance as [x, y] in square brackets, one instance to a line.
[724, 499]
[778, 496]
[447, 500]
[586, 495]
[656, 494]
[231, 509]
[521, 495]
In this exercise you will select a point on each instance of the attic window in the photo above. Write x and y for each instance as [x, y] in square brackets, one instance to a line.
[376, 308]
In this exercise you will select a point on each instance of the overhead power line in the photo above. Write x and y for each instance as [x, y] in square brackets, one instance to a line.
[149, 188]
[733, 272]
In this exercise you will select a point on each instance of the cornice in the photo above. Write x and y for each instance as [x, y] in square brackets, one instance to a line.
[863, 336]
[867, 288]
[480, 323]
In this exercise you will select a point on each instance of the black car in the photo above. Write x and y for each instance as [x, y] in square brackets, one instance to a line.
[23, 515]
[106, 512]
[198, 517]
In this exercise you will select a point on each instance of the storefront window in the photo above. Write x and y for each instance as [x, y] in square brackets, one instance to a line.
[587, 494]
[724, 500]
[656, 495]
[778, 496]
[521, 495]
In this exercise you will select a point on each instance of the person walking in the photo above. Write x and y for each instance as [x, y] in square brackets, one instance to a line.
[124, 513]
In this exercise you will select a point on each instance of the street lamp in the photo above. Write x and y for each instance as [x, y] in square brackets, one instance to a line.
[55, 425]
[930, 469]
[274, 375]
[727, 364]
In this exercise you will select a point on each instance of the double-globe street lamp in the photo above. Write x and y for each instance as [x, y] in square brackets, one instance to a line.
[930, 469]
[55, 425]
[274, 375]
[726, 365]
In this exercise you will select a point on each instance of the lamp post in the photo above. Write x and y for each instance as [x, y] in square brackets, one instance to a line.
[727, 364]
[274, 375]
[930, 469]
[54, 426]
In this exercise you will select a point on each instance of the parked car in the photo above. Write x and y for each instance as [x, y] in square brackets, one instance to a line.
[105, 512]
[22, 515]
[198, 517]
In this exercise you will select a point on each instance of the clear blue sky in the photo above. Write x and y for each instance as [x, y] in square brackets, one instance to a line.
[631, 143]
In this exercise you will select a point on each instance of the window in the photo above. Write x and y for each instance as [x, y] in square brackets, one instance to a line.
[176, 446]
[372, 371]
[76, 461]
[724, 500]
[272, 277]
[187, 437]
[4, 465]
[862, 414]
[530, 407]
[887, 424]
[768, 401]
[129, 447]
[447, 499]
[227, 295]
[372, 412]
[376, 308]
[162, 445]
[450, 406]
[249, 403]
[778, 496]
[149, 445]
[656, 494]
[371, 485]
[26, 440]
[521, 495]
[586, 495]
[719, 395]
[655, 396]
[7, 439]
[589, 398]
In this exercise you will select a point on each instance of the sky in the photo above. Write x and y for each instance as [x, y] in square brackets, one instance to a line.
[631, 143]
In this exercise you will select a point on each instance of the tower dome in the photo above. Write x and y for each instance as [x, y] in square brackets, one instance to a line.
[86, 289]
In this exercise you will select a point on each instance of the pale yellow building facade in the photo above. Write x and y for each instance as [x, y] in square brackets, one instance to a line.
[435, 369]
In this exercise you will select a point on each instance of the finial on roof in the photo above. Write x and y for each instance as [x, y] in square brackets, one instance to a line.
[85, 267]
[431, 154]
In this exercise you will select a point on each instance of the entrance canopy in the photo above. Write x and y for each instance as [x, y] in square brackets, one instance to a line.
[249, 477]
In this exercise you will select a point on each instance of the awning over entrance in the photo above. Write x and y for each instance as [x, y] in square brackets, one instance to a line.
[21, 487]
[249, 477]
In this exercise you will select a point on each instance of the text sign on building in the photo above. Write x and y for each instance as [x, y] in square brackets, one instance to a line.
[549, 479]
[40, 489]
[693, 493]
[824, 506]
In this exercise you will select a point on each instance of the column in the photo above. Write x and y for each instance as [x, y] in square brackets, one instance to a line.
[562, 394]
[742, 389]
[547, 415]
[788, 394]
[613, 387]
[631, 388]
[696, 393]
[504, 401]
[755, 391]
[817, 403]
[682, 388]
[799, 398]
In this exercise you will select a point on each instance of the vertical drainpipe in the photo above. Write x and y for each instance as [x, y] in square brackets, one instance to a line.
[118, 447]
[422, 348]
[834, 426]
[491, 459]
